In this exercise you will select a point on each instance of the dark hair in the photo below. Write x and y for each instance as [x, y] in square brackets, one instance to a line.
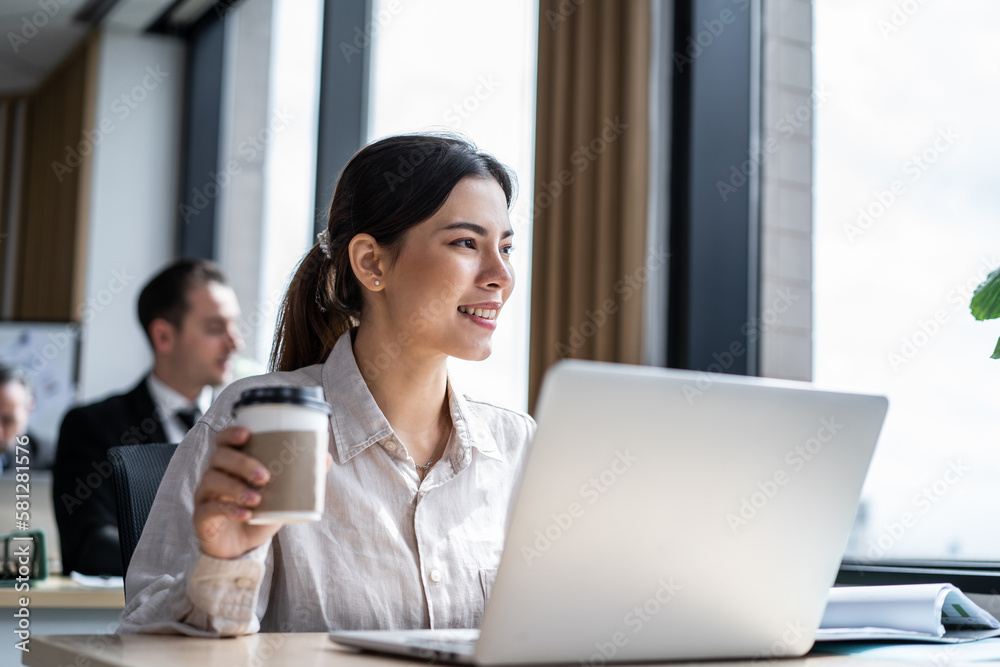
[165, 296]
[10, 373]
[385, 189]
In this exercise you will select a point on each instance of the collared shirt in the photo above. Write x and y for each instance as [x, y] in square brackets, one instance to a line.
[168, 401]
[392, 551]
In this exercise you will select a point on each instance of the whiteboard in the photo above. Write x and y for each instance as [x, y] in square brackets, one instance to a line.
[49, 353]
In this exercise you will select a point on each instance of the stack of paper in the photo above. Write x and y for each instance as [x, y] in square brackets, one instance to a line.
[917, 612]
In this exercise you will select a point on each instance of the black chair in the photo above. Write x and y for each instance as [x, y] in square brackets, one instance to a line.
[137, 472]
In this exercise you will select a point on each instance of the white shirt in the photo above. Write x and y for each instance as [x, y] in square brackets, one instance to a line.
[390, 552]
[168, 401]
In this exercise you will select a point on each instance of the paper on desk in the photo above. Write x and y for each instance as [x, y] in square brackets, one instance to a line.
[913, 612]
[987, 650]
[97, 582]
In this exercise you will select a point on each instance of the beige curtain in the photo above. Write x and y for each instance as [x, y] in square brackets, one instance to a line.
[52, 176]
[591, 178]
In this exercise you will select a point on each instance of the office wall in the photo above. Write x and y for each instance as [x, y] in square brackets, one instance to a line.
[133, 201]
[788, 105]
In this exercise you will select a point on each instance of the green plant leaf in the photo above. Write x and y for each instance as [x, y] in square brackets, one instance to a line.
[996, 352]
[985, 303]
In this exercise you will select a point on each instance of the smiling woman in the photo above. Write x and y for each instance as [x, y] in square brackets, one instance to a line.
[413, 268]
[384, 192]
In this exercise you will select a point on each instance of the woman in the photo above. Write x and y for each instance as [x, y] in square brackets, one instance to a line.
[413, 267]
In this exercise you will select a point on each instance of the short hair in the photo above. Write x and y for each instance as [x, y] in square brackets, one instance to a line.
[166, 295]
[9, 373]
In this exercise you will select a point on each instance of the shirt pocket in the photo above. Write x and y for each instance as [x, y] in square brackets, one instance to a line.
[486, 578]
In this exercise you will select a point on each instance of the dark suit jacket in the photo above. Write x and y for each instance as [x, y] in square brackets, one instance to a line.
[82, 489]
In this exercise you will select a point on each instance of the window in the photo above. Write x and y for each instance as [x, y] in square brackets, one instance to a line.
[469, 68]
[905, 211]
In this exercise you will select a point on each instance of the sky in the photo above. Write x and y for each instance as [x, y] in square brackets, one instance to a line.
[905, 214]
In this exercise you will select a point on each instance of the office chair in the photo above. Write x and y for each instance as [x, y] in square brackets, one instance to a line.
[137, 472]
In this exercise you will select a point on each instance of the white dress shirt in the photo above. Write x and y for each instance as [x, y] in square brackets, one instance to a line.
[168, 401]
[390, 552]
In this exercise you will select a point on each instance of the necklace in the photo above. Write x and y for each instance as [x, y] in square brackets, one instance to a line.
[425, 467]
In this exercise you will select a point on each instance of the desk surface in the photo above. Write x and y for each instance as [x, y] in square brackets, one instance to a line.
[264, 650]
[62, 592]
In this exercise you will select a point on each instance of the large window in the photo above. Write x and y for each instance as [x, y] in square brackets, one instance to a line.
[906, 207]
[469, 68]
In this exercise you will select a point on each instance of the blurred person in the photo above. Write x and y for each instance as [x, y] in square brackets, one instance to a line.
[16, 403]
[189, 315]
[413, 268]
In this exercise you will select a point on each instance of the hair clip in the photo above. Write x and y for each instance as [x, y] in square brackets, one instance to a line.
[323, 238]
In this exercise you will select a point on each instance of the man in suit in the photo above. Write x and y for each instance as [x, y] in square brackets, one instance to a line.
[189, 315]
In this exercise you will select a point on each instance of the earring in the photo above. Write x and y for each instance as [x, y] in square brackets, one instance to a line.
[376, 283]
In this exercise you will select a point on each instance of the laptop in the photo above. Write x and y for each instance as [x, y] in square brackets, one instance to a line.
[667, 515]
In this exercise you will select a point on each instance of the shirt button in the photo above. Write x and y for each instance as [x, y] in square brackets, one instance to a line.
[390, 447]
[244, 582]
[435, 576]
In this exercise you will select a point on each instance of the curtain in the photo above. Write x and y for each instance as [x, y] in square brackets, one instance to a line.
[47, 217]
[590, 258]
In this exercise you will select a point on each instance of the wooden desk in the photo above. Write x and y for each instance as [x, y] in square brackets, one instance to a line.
[59, 605]
[60, 592]
[270, 650]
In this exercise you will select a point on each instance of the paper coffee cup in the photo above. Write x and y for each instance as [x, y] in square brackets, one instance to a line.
[289, 434]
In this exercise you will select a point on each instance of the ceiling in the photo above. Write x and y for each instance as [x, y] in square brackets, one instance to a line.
[36, 35]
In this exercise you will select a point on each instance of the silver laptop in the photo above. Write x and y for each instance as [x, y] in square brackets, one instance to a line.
[668, 515]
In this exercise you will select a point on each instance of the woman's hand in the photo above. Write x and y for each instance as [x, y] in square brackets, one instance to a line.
[224, 499]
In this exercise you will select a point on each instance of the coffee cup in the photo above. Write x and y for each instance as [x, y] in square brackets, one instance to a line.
[289, 435]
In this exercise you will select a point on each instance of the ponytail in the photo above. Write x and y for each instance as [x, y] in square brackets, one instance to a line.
[310, 319]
